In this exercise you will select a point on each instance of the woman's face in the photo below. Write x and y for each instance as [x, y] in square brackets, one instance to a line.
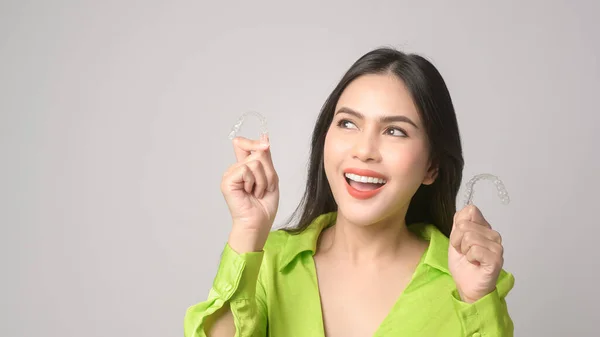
[377, 138]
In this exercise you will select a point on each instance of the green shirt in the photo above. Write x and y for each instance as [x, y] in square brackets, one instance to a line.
[275, 293]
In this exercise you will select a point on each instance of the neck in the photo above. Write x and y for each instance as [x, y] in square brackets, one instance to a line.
[381, 241]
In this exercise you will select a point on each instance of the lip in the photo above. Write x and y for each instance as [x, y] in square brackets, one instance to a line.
[363, 194]
[364, 172]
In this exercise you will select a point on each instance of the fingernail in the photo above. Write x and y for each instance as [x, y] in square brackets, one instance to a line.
[264, 141]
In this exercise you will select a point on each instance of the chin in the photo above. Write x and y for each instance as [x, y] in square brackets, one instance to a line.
[364, 215]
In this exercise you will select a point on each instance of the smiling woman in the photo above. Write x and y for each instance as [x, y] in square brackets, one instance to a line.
[376, 247]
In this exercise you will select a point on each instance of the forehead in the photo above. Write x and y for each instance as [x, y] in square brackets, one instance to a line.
[376, 95]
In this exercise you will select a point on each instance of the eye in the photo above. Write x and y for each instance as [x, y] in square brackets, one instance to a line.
[346, 124]
[396, 132]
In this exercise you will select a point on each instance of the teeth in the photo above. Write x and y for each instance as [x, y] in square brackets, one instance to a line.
[363, 179]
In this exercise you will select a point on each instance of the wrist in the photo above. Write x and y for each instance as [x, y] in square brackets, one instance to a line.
[247, 241]
[465, 298]
[472, 298]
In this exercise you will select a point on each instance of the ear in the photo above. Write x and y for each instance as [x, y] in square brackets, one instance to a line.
[431, 175]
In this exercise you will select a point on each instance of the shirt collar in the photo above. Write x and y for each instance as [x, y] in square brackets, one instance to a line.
[436, 255]
[305, 240]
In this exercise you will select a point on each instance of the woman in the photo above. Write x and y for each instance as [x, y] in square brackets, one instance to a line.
[378, 249]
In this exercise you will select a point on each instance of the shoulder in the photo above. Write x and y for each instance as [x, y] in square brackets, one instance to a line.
[284, 247]
[277, 249]
[276, 241]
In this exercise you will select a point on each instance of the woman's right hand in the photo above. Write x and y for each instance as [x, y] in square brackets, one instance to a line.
[251, 190]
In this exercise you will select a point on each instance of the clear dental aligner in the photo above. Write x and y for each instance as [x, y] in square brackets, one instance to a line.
[264, 132]
[502, 193]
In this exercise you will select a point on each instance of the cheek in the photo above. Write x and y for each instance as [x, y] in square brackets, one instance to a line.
[334, 152]
[334, 149]
[329, 157]
[409, 161]
[335, 142]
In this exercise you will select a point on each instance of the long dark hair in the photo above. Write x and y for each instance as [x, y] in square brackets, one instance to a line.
[435, 203]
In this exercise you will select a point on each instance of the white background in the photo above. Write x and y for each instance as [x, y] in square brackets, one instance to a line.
[114, 118]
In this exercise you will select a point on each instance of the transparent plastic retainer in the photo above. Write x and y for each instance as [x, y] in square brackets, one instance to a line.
[264, 132]
[502, 193]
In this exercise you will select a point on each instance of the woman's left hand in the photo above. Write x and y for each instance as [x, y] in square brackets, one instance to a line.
[475, 254]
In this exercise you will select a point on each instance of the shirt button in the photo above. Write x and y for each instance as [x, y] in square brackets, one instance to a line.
[228, 288]
[477, 334]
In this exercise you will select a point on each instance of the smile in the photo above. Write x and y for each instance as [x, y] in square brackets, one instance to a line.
[363, 184]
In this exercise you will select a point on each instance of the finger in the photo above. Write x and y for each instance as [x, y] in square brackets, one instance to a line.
[471, 213]
[477, 216]
[237, 177]
[464, 226]
[489, 233]
[271, 177]
[264, 156]
[260, 179]
[471, 239]
[462, 214]
[478, 255]
[248, 179]
[243, 147]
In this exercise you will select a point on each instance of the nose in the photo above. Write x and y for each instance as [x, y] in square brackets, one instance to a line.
[366, 147]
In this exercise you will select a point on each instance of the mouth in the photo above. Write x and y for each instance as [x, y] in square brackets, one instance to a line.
[364, 184]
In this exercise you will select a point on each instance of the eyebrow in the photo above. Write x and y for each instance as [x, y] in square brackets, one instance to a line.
[384, 119]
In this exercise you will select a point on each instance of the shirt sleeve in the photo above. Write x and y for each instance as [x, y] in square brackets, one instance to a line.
[488, 317]
[237, 283]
